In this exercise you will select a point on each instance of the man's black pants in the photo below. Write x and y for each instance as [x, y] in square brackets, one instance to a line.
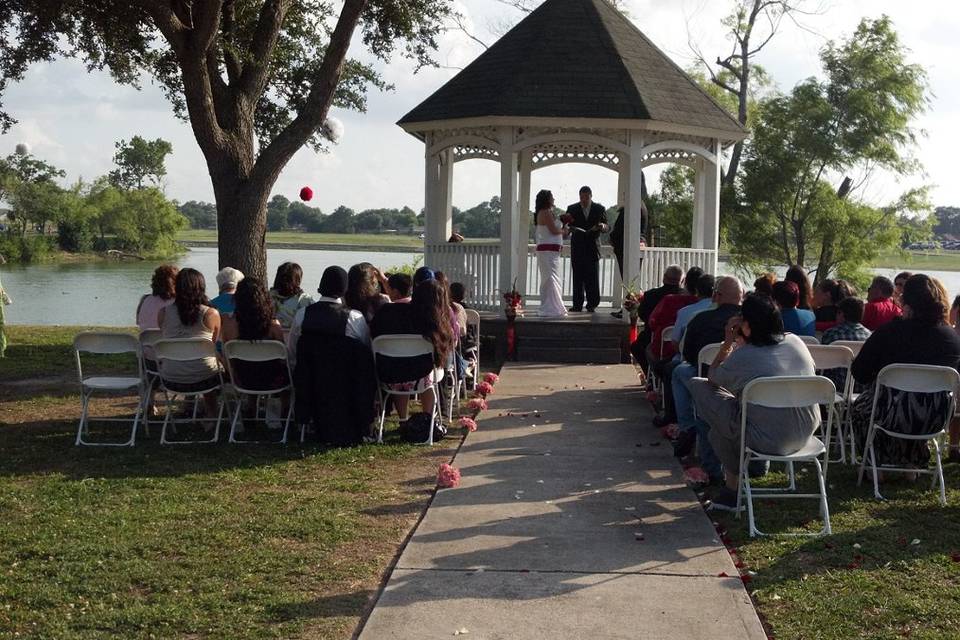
[586, 279]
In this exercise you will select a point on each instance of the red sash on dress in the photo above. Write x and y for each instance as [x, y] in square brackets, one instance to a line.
[549, 247]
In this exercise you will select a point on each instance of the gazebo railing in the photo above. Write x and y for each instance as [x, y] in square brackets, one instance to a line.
[477, 266]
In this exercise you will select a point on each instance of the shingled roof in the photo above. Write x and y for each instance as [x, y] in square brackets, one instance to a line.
[576, 59]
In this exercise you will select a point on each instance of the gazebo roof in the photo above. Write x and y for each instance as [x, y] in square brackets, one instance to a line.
[576, 59]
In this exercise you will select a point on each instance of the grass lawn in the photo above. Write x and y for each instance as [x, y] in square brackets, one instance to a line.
[201, 541]
[919, 260]
[903, 581]
[299, 238]
[47, 352]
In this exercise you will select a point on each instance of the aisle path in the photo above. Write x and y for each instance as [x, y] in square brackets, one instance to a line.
[564, 528]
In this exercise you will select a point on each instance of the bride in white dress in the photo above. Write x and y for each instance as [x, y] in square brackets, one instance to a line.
[550, 235]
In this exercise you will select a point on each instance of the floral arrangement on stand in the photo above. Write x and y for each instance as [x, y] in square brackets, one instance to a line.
[513, 300]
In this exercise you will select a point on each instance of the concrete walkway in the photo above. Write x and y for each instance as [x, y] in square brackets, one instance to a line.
[572, 521]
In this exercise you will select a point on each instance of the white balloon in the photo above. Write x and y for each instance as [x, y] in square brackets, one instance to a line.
[333, 129]
[23, 149]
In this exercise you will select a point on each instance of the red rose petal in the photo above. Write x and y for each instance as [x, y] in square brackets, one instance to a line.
[723, 574]
[739, 564]
[747, 578]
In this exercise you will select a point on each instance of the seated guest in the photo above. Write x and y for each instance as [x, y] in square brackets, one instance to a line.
[672, 277]
[363, 290]
[163, 289]
[665, 315]
[190, 316]
[797, 275]
[288, 297]
[253, 320]
[470, 340]
[428, 315]
[955, 314]
[708, 327]
[704, 301]
[399, 286]
[333, 285]
[825, 299]
[754, 346]
[848, 327]
[333, 374]
[898, 281]
[802, 322]
[227, 280]
[764, 284]
[880, 308]
[921, 336]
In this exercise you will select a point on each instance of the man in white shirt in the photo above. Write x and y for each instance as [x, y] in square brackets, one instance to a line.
[328, 314]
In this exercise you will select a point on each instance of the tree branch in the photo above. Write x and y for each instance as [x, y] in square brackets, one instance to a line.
[273, 158]
[206, 24]
[265, 38]
[230, 58]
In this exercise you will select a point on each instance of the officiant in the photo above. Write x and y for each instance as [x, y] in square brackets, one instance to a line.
[588, 220]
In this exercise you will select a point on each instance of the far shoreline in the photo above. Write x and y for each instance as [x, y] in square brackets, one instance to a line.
[313, 246]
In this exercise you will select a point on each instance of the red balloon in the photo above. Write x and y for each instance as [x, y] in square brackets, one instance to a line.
[306, 194]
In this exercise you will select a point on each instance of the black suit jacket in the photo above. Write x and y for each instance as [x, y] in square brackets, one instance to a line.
[586, 245]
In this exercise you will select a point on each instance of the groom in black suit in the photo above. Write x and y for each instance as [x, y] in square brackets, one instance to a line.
[588, 221]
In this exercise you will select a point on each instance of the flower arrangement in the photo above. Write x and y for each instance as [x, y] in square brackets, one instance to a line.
[468, 423]
[491, 378]
[632, 296]
[484, 389]
[513, 300]
[670, 432]
[696, 475]
[566, 218]
[477, 405]
[448, 477]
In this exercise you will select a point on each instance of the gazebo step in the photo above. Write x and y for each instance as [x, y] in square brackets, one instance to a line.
[571, 355]
[579, 340]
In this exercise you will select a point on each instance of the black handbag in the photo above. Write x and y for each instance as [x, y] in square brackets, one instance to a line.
[416, 429]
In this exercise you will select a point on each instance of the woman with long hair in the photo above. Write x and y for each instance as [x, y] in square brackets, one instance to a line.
[190, 316]
[253, 320]
[798, 276]
[549, 234]
[288, 297]
[363, 290]
[162, 290]
[921, 336]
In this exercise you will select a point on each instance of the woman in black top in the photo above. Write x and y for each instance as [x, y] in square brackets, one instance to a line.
[921, 336]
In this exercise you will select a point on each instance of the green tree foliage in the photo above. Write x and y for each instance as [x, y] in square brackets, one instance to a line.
[200, 215]
[342, 220]
[148, 222]
[19, 167]
[33, 204]
[277, 210]
[255, 78]
[858, 118]
[140, 160]
[481, 221]
[672, 207]
[947, 221]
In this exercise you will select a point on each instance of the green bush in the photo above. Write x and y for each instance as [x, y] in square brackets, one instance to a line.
[15, 248]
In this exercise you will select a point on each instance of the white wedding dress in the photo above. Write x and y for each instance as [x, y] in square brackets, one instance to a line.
[548, 261]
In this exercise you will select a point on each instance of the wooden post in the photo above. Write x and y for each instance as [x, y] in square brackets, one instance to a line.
[509, 226]
[525, 213]
[632, 223]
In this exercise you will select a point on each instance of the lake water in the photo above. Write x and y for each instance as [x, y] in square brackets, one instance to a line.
[106, 293]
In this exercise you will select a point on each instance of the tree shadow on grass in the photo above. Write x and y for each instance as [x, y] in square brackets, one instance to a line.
[339, 605]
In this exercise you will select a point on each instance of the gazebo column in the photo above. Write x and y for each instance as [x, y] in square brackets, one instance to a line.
[524, 211]
[509, 223]
[438, 199]
[632, 223]
[706, 209]
[623, 200]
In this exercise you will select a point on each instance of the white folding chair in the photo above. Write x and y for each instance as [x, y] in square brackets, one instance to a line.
[827, 357]
[258, 352]
[407, 347]
[97, 343]
[783, 392]
[187, 350]
[853, 345]
[706, 356]
[149, 337]
[472, 355]
[809, 339]
[915, 378]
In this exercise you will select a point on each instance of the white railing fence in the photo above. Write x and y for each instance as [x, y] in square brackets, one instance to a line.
[477, 266]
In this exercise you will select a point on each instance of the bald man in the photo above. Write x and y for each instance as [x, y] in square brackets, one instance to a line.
[707, 327]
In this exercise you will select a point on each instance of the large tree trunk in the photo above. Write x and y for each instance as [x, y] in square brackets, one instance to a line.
[242, 226]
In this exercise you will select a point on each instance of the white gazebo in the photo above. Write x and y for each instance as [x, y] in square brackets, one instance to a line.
[575, 81]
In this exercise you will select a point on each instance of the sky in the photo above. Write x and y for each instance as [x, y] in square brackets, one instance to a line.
[72, 118]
